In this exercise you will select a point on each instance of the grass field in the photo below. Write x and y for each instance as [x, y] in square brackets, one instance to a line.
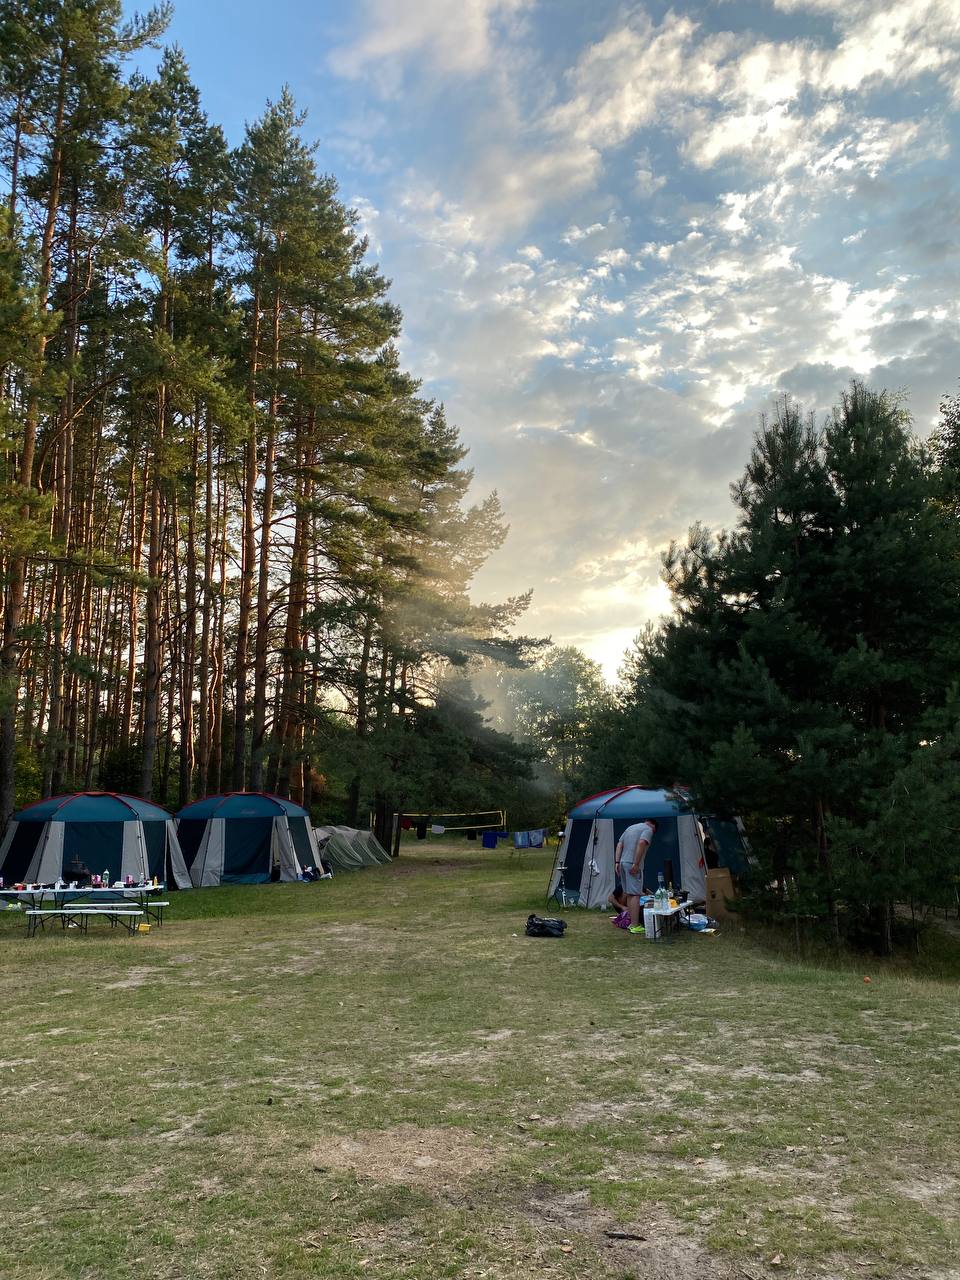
[381, 1076]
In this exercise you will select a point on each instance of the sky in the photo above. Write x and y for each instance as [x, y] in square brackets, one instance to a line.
[618, 232]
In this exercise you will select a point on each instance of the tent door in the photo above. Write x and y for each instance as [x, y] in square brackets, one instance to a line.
[597, 881]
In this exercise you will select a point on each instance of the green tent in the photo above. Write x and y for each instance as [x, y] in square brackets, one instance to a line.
[349, 849]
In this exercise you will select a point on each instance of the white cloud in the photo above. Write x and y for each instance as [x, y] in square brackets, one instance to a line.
[647, 183]
[457, 38]
[605, 325]
[620, 83]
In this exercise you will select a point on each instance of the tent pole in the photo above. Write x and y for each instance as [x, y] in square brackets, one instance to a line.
[397, 829]
[557, 894]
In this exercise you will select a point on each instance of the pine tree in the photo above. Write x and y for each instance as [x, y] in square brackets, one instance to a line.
[808, 645]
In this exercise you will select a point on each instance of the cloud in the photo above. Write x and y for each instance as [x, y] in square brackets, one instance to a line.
[455, 39]
[621, 83]
[614, 260]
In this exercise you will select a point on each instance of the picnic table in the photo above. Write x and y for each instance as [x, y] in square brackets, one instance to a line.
[74, 905]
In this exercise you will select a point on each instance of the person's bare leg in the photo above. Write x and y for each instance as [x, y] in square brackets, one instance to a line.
[633, 906]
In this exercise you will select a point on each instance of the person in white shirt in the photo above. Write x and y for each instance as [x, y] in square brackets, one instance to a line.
[628, 862]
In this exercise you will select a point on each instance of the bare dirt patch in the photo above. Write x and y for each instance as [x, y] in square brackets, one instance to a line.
[437, 1159]
[930, 1190]
[658, 1249]
[134, 978]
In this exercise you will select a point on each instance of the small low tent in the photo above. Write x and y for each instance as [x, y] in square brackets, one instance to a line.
[246, 837]
[122, 835]
[584, 870]
[349, 849]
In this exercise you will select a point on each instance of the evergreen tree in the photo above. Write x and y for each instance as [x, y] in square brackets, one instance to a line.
[808, 646]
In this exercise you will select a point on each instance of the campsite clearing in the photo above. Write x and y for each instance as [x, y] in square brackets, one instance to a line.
[381, 1076]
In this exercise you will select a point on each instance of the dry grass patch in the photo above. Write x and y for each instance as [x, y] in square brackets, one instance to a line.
[441, 1159]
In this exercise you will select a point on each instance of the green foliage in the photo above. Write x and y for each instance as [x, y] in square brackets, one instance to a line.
[28, 775]
[809, 649]
[121, 770]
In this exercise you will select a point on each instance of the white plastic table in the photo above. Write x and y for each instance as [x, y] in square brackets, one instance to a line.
[36, 896]
[668, 921]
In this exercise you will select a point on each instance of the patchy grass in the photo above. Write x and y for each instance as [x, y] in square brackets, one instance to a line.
[381, 1076]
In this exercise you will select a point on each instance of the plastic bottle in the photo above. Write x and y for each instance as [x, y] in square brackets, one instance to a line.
[106, 878]
[661, 899]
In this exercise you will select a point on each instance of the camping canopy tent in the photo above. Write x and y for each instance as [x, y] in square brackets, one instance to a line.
[350, 849]
[584, 868]
[244, 837]
[123, 835]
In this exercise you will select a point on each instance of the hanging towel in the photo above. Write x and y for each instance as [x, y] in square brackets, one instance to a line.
[489, 839]
[421, 831]
[406, 823]
[437, 830]
[471, 835]
[521, 839]
[537, 838]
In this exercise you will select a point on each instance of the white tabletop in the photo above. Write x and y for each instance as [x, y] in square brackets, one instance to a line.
[80, 891]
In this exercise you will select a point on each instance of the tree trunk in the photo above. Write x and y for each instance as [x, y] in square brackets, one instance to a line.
[17, 568]
[248, 560]
[262, 638]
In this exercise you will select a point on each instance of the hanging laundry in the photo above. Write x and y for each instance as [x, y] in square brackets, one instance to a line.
[437, 830]
[489, 840]
[471, 835]
[529, 839]
[406, 823]
[421, 831]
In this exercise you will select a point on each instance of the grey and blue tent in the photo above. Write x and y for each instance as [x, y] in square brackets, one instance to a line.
[583, 872]
[120, 834]
[246, 837]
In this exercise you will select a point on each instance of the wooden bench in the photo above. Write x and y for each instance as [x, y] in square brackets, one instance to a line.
[79, 917]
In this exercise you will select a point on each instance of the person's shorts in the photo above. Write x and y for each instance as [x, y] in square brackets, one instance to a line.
[631, 884]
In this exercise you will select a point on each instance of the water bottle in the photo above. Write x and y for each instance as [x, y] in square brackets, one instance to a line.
[662, 901]
[106, 879]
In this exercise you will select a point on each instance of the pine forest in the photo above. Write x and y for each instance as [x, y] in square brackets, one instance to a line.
[236, 549]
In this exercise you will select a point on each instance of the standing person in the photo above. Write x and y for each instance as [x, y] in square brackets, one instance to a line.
[628, 863]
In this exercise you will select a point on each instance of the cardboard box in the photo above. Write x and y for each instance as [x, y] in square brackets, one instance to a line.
[719, 889]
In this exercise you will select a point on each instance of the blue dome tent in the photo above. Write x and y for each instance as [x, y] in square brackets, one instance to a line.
[121, 834]
[244, 837]
[584, 871]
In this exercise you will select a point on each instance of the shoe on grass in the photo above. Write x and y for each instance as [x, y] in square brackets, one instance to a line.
[636, 928]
